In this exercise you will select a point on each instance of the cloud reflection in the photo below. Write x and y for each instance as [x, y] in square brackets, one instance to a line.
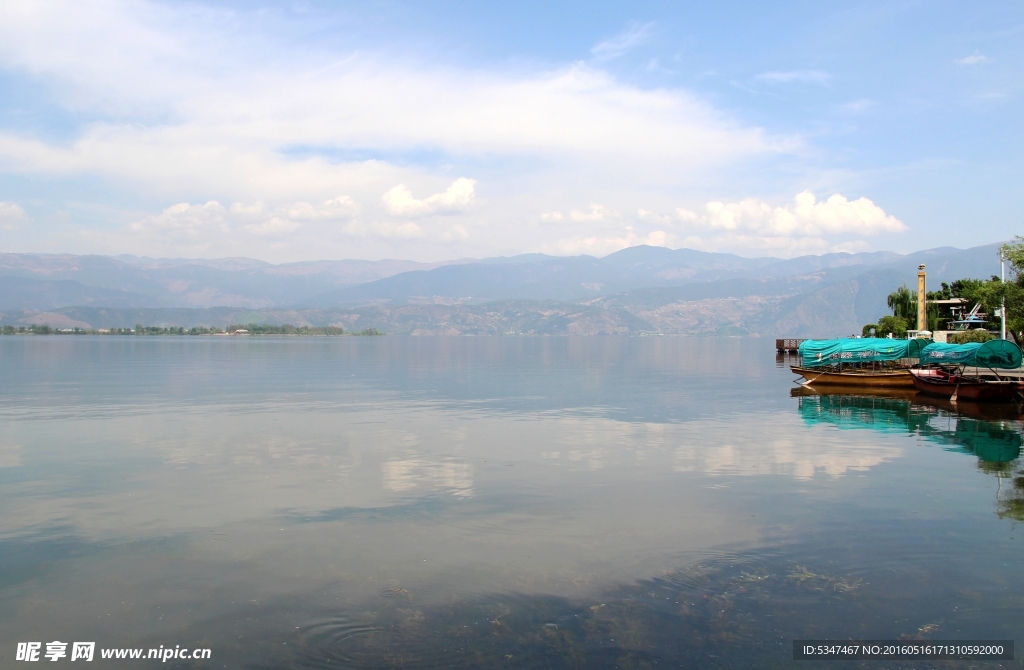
[408, 474]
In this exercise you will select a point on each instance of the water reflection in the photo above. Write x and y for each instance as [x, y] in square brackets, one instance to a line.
[992, 441]
[405, 475]
[474, 502]
[992, 432]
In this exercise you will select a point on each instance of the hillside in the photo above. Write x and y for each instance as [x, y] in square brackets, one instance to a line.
[636, 290]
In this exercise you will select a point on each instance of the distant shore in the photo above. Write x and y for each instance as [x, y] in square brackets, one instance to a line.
[233, 330]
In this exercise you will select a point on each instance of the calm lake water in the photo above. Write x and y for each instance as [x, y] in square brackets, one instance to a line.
[489, 502]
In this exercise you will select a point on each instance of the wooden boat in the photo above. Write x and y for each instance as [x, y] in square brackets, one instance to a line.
[944, 384]
[897, 378]
[858, 362]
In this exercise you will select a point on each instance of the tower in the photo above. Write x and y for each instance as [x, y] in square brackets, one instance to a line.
[922, 300]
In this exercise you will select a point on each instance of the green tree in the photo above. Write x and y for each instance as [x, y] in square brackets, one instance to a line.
[903, 303]
[965, 336]
[1013, 290]
[894, 325]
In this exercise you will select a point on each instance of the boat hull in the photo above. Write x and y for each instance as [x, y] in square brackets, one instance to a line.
[890, 379]
[939, 384]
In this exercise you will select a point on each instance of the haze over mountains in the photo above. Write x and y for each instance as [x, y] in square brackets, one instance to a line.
[637, 290]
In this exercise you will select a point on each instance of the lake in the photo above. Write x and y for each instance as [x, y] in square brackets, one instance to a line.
[369, 502]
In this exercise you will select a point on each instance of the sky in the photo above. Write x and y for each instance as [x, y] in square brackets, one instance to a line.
[430, 130]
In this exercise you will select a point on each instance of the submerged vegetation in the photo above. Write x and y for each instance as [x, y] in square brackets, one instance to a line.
[231, 329]
[738, 611]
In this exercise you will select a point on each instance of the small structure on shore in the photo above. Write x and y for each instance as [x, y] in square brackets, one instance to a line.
[788, 345]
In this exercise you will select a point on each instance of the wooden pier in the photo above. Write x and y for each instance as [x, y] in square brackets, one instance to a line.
[788, 345]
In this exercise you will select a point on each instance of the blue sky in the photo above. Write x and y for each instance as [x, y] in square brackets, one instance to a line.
[434, 130]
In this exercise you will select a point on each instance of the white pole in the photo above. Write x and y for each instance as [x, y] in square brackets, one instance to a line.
[1002, 307]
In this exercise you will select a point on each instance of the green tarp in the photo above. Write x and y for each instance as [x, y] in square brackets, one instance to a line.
[816, 353]
[1001, 354]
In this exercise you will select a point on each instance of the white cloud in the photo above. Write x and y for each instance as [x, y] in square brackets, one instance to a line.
[400, 201]
[385, 229]
[800, 76]
[188, 111]
[596, 213]
[342, 207]
[600, 245]
[805, 217]
[752, 226]
[653, 217]
[623, 43]
[974, 59]
[11, 214]
[273, 226]
[194, 222]
[186, 221]
[455, 233]
[684, 214]
[220, 128]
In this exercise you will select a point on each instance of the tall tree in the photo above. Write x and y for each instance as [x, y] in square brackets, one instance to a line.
[1013, 290]
[903, 303]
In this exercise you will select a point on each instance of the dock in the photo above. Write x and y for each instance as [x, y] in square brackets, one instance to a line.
[788, 345]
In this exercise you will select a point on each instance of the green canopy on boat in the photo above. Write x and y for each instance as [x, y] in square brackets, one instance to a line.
[1002, 354]
[857, 350]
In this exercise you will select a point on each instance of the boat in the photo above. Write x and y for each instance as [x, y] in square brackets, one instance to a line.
[898, 378]
[948, 379]
[944, 384]
[858, 362]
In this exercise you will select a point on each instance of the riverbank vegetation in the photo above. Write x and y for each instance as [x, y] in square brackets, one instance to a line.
[966, 336]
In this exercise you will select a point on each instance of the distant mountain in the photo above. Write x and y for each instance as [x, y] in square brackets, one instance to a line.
[842, 306]
[237, 282]
[540, 277]
[667, 265]
[805, 264]
[547, 278]
[19, 293]
[636, 290]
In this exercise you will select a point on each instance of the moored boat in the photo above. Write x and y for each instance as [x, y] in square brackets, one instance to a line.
[896, 378]
[943, 384]
[949, 381]
[858, 362]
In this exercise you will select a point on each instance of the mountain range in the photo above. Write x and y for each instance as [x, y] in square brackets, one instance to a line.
[636, 290]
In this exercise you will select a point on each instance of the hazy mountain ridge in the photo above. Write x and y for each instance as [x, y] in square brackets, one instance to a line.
[239, 282]
[35, 294]
[636, 290]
